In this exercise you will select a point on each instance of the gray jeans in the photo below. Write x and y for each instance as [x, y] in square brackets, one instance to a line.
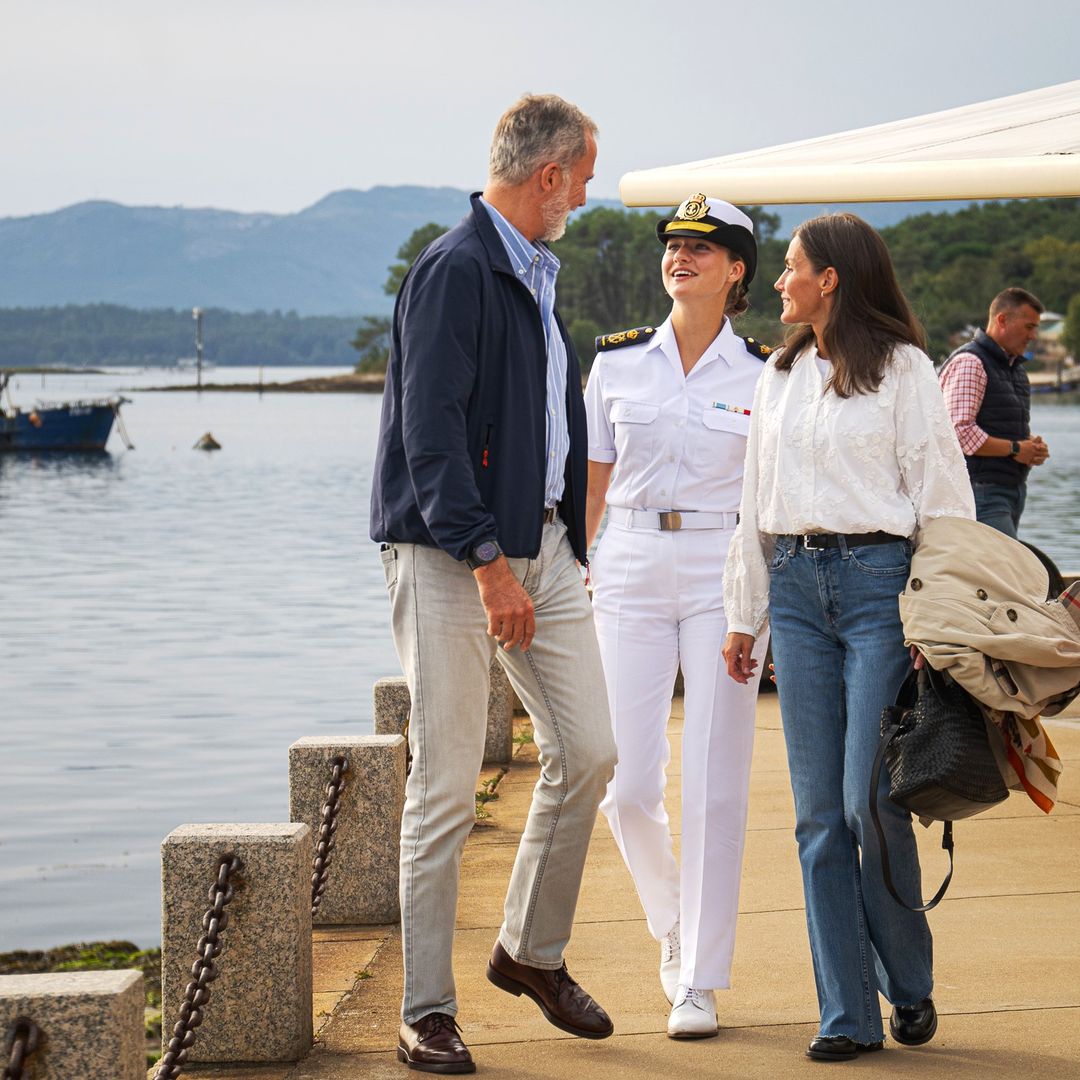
[1000, 505]
[440, 633]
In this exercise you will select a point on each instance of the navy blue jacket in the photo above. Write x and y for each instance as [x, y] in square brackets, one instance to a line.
[462, 438]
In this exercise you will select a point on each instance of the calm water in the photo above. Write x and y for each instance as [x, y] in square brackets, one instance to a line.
[173, 620]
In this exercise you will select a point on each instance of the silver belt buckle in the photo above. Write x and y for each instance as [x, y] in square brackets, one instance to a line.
[808, 542]
[670, 520]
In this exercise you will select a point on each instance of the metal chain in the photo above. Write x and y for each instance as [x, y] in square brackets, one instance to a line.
[197, 992]
[22, 1041]
[324, 844]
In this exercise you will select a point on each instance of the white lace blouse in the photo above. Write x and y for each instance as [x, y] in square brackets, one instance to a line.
[817, 462]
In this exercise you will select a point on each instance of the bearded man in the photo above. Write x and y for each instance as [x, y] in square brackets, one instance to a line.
[478, 502]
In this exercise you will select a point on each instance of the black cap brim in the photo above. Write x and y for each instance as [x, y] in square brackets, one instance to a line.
[733, 237]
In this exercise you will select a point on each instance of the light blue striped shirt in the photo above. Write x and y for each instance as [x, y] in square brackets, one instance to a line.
[537, 269]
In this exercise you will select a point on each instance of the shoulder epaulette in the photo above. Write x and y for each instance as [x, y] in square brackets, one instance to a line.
[624, 337]
[755, 348]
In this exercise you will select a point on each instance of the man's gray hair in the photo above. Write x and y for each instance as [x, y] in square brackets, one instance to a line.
[535, 130]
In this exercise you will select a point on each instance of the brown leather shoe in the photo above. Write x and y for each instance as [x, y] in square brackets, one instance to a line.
[433, 1044]
[561, 1000]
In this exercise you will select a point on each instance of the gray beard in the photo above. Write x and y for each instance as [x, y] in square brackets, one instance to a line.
[555, 213]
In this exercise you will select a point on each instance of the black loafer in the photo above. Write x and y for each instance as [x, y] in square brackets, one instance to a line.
[838, 1048]
[913, 1025]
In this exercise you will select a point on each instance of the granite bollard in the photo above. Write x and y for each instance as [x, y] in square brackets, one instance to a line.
[260, 1005]
[392, 704]
[391, 701]
[499, 742]
[91, 1023]
[362, 884]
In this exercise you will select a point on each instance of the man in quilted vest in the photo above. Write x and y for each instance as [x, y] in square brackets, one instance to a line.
[989, 401]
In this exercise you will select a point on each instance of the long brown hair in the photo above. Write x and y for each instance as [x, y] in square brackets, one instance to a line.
[870, 315]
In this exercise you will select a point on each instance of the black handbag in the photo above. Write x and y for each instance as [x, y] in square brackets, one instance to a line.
[941, 765]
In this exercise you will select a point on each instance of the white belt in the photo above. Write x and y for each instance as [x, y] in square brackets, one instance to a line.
[672, 520]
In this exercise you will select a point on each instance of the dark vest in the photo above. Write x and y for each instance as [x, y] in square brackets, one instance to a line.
[1005, 412]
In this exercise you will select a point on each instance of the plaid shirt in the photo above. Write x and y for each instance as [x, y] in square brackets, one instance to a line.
[963, 382]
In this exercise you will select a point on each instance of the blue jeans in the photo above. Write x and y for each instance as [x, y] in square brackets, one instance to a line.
[838, 647]
[1000, 505]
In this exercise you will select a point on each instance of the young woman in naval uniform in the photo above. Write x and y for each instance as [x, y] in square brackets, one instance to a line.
[669, 415]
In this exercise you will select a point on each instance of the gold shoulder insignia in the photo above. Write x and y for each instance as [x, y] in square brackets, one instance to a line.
[755, 348]
[624, 337]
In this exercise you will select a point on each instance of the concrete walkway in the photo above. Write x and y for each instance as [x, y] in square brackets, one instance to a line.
[1007, 944]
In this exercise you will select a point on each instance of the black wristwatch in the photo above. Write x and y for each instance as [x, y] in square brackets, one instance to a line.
[1014, 449]
[487, 551]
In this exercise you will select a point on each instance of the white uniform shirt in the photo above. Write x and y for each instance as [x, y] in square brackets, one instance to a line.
[817, 462]
[674, 439]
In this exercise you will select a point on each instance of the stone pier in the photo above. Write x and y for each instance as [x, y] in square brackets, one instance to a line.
[1007, 952]
[392, 704]
[260, 1005]
[90, 1023]
[362, 885]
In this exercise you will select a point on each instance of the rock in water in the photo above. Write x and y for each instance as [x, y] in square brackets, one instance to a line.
[207, 442]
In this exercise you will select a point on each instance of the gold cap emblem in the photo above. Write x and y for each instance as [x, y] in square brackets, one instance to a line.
[693, 208]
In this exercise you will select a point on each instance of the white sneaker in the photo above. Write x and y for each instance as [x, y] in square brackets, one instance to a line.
[670, 961]
[693, 1015]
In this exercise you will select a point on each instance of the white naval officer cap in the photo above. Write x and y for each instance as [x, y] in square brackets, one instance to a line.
[717, 221]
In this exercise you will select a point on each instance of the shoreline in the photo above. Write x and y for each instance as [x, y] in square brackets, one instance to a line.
[351, 383]
[16, 370]
[1043, 384]
[1044, 391]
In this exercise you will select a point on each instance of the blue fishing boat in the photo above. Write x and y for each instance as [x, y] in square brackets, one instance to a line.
[69, 425]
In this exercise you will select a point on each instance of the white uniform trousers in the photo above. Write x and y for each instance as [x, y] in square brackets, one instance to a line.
[658, 600]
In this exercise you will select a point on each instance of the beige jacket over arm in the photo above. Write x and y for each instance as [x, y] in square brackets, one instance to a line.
[975, 605]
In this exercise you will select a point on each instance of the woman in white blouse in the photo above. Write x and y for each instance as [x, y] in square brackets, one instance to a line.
[669, 413]
[850, 451]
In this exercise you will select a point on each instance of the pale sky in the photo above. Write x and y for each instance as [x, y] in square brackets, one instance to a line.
[271, 104]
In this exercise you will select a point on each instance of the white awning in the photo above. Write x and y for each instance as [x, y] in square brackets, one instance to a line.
[1021, 146]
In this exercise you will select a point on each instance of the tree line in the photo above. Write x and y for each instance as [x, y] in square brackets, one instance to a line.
[81, 335]
[950, 266]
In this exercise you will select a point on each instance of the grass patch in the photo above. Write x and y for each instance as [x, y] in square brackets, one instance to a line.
[486, 793]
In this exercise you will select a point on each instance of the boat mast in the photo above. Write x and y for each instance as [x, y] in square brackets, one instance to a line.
[196, 314]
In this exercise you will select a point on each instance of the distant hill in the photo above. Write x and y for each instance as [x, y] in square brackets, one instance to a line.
[949, 264]
[329, 259]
